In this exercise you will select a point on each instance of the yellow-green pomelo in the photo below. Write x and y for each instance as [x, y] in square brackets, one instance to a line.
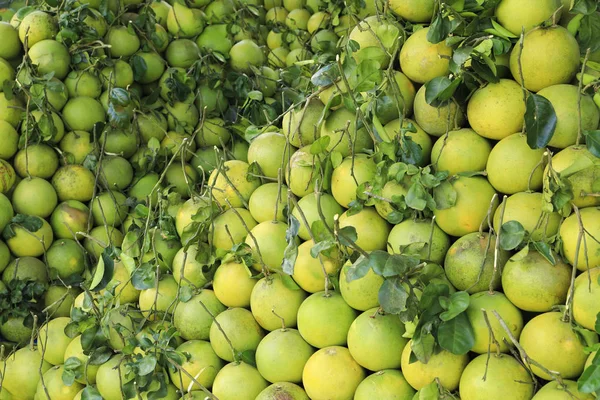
[526, 208]
[187, 270]
[569, 232]
[117, 75]
[77, 144]
[39, 118]
[422, 60]
[52, 386]
[282, 355]
[402, 92]
[419, 237]
[413, 10]
[345, 138]
[6, 210]
[65, 259]
[378, 37]
[324, 319]
[203, 365]
[231, 228]
[515, 167]
[34, 196]
[109, 208]
[331, 373]
[11, 46]
[5, 256]
[386, 384]
[9, 140]
[277, 57]
[244, 55]
[564, 99]
[473, 198]
[26, 269]
[565, 391]
[183, 220]
[14, 329]
[460, 151]
[193, 320]
[555, 345]
[238, 328]
[489, 302]
[376, 341]
[586, 298]
[33, 244]
[74, 349]
[303, 172]
[317, 21]
[550, 56]
[119, 141]
[496, 377]
[309, 273]
[37, 26]
[271, 152]
[58, 300]
[233, 284]
[157, 301]
[285, 390]
[178, 145]
[20, 372]
[36, 160]
[308, 209]
[230, 186]
[83, 83]
[445, 366]
[111, 376]
[182, 177]
[68, 218]
[371, 229]
[346, 177]
[274, 298]
[420, 137]
[497, 110]
[268, 243]
[116, 173]
[82, 113]
[10, 110]
[52, 341]
[582, 170]
[102, 237]
[390, 190]
[532, 283]
[516, 16]
[238, 381]
[300, 124]
[122, 41]
[276, 15]
[437, 121]
[50, 56]
[265, 200]
[212, 133]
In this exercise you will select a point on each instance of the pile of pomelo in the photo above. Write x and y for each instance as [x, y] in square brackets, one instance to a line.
[300, 199]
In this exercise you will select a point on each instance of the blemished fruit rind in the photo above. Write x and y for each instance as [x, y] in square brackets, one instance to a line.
[532, 283]
[324, 319]
[489, 302]
[283, 390]
[375, 340]
[505, 377]
[550, 56]
[569, 231]
[384, 384]
[332, 373]
[497, 110]
[552, 342]
[445, 366]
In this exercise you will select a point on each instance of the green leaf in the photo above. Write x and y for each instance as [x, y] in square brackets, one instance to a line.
[347, 236]
[540, 121]
[392, 296]
[29, 222]
[511, 235]
[445, 196]
[144, 277]
[437, 89]
[396, 264]
[422, 346]
[589, 381]
[416, 197]
[429, 392]
[103, 272]
[597, 327]
[454, 305]
[138, 64]
[291, 251]
[545, 250]
[326, 75]
[456, 335]
[358, 269]
[585, 7]
[147, 365]
[592, 141]
[90, 393]
[320, 145]
[248, 356]
[589, 31]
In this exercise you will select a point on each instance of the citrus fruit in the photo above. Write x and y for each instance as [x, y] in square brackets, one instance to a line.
[236, 328]
[11, 46]
[422, 60]
[68, 218]
[102, 237]
[413, 10]
[303, 172]
[82, 113]
[212, 133]
[37, 26]
[233, 284]
[9, 139]
[27, 243]
[282, 355]
[74, 349]
[265, 200]
[238, 381]
[20, 371]
[192, 319]
[569, 232]
[282, 390]
[555, 391]
[585, 298]
[268, 243]
[384, 384]
[50, 56]
[122, 41]
[187, 270]
[244, 54]
[404, 131]
[377, 37]
[460, 151]
[26, 268]
[36, 160]
[308, 209]
[203, 365]
[109, 208]
[352, 172]
[344, 135]
[230, 186]
[419, 237]
[516, 16]
[11, 110]
[271, 152]
[309, 273]
[83, 83]
[111, 376]
[65, 258]
[437, 121]
[34, 196]
[52, 341]
[157, 301]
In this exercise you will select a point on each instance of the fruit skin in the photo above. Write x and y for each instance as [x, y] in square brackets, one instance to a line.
[271, 153]
[230, 181]
[554, 391]
[31, 244]
[421, 60]
[241, 329]
[282, 355]
[564, 99]
[569, 231]
[550, 57]
[419, 232]
[515, 15]
[227, 229]
[505, 378]
[10, 110]
[68, 218]
[514, 167]
[299, 124]
[309, 208]
[497, 110]
[238, 381]
[551, 342]
[490, 302]
[420, 137]
[586, 298]
[264, 199]
[331, 373]
[187, 270]
[474, 195]
[10, 46]
[203, 365]
[462, 150]
[385, 384]
[109, 376]
[413, 10]
[308, 271]
[532, 283]
[341, 128]
[283, 390]
[343, 184]
[372, 230]
[360, 294]
[192, 320]
[377, 37]
[50, 56]
[375, 340]
[324, 320]
[244, 54]
[268, 243]
[444, 365]
[20, 372]
[436, 121]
